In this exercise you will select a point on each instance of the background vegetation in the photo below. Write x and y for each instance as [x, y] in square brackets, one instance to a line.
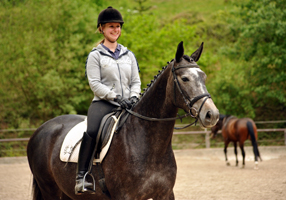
[44, 45]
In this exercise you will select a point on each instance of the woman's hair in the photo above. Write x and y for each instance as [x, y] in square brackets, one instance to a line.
[99, 30]
[100, 27]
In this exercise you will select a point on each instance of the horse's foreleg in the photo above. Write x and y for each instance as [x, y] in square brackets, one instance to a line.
[235, 152]
[243, 155]
[225, 152]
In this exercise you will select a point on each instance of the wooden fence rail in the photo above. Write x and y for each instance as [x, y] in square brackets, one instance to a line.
[206, 132]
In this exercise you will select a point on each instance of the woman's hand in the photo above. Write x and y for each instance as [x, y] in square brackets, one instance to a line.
[123, 102]
[133, 100]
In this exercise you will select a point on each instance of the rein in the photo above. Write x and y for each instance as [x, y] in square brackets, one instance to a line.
[168, 119]
[186, 99]
[156, 119]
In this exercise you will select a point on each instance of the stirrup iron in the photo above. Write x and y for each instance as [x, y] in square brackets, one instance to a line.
[84, 189]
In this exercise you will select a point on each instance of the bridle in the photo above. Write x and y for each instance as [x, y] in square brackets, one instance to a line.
[185, 97]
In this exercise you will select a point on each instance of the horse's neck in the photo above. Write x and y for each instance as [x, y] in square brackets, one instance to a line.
[156, 104]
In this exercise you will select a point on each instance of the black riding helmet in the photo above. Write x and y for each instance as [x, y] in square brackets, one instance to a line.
[109, 15]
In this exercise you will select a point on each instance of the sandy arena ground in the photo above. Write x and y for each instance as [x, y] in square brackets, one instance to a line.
[202, 174]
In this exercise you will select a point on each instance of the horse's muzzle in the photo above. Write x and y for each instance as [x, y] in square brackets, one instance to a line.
[209, 115]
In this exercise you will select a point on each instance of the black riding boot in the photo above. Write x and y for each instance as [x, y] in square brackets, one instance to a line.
[84, 160]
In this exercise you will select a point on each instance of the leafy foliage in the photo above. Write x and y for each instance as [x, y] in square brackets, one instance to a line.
[44, 49]
[262, 43]
[45, 45]
[254, 80]
[153, 43]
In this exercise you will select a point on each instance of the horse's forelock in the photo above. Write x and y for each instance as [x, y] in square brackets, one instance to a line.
[186, 57]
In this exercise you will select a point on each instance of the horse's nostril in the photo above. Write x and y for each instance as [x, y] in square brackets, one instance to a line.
[209, 115]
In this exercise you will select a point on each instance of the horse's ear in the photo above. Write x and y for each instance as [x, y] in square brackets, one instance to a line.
[197, 54]
[180, 52]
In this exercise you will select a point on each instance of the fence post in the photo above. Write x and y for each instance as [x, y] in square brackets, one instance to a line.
[285, 137]
[207, 139]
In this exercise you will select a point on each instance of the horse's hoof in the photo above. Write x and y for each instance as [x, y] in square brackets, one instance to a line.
[242, 167]
[227, 164]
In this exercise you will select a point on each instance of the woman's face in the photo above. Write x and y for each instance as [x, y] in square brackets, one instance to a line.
[112, 31]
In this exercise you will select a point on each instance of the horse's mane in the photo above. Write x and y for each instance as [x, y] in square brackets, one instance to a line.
[186, 57]
[154, 80]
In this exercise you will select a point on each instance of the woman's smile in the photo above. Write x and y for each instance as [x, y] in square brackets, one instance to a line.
[112, 31]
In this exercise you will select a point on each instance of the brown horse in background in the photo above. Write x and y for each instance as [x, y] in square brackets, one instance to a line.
[237, 130]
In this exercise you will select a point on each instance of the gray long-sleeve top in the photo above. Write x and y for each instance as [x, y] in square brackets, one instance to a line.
[108, 77]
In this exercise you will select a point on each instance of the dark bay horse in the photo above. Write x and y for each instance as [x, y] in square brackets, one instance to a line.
[140, 163]
[237, 130]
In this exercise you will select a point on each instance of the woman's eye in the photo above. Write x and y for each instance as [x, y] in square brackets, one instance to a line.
[185, 79]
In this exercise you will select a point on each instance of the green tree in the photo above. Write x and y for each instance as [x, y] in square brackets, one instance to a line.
[262, 45]
[252, 78]
[43, 50]
[155, 43]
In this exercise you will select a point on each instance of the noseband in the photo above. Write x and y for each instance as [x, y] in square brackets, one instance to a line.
[186, 97]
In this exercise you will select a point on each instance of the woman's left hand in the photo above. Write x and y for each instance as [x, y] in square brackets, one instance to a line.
[123, 102]
[133, 100]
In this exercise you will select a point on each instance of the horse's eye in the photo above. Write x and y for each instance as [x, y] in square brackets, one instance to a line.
[185, 79]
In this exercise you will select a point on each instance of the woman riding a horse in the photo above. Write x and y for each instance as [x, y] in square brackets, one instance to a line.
[140, 162]
[112, 73]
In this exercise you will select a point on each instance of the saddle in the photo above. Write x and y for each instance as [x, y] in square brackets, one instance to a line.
[108, 126]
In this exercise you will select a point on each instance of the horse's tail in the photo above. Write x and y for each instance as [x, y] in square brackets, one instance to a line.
[253, 140]
[37, 195]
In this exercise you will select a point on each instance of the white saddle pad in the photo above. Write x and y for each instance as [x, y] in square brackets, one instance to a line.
[74, 135]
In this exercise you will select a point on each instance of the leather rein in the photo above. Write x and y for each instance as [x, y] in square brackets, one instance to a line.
[185, 97]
